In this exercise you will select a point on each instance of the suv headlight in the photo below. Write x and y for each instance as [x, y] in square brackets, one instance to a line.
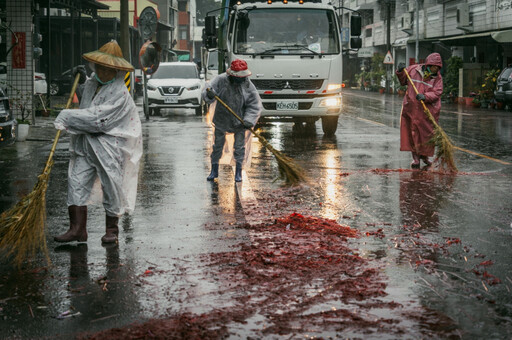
[192, 88]
[151, 87]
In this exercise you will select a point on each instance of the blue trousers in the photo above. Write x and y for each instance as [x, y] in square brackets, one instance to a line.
[218, 145]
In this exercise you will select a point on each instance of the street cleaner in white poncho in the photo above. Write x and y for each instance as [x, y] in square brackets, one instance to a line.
[106, 145]
[236, 90]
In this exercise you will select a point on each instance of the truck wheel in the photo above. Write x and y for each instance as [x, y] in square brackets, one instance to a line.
[330, 125]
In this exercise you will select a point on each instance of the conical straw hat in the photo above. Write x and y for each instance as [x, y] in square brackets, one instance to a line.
[109, 55]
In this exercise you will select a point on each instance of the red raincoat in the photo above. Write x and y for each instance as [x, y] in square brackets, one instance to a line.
[415, 127]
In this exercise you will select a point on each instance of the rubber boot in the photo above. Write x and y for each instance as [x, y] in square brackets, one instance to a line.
[415, 161]
[238, 172]
[214, 173]
[426, 160]
[77, 225]
[111, 230]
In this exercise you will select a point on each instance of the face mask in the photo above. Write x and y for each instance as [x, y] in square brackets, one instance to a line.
[104, 82]
[237, 80]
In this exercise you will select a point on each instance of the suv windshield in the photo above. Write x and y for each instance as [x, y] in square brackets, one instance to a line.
[505, 74]
[286, 31]
[175, 71]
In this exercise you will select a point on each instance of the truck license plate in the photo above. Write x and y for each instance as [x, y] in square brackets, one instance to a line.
[171, 100]
[287, 106]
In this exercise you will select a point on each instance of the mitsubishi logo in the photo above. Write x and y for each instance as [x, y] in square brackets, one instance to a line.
[287, 86]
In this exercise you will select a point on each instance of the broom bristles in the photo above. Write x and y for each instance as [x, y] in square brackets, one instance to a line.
[444, 152]
[288, 169]
[22, 228]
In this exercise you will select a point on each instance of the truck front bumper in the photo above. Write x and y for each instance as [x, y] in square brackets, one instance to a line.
[301, 105]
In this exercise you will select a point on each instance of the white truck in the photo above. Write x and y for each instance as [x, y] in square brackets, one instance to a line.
[293, 49]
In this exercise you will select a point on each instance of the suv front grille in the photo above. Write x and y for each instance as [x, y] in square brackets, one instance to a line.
[170, 90]
[287, 84]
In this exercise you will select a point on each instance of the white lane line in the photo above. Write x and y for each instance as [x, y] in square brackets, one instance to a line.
[247, 198]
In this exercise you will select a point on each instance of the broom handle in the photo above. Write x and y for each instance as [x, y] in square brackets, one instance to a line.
[57, 136]
[234, 114]
[425, 109]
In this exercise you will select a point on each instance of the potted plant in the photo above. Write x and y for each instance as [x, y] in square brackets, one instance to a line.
[488, 86]
[22, 101]
[476, 102]
[451, 78]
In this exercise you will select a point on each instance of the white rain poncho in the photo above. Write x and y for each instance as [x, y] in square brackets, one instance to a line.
[245, 101]
[106, 145]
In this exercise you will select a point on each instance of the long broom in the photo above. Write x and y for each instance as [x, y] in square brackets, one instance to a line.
[22, 228]
[440, 139]
[288, 169]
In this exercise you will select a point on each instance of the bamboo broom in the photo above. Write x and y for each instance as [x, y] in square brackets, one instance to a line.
[22, 228]
[288, 169]
[439, 138]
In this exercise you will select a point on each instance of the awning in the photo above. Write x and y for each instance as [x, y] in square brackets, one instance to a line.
[401, 41]
[466, 39]
[88, 7]
[502, 36]
[161, 26]
[367, 7]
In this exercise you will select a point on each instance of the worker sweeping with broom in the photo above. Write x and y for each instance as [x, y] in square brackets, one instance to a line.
[424, 93]
[106, 144]
[235, 89]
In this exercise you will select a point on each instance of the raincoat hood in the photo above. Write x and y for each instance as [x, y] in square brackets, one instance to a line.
[434, 59]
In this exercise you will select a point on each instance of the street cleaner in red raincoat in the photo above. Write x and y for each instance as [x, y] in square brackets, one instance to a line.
[236, 90]
[415, 128]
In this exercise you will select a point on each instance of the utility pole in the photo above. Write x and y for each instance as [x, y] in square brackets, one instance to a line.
[125, 34]
[388, 42]
[417, 31]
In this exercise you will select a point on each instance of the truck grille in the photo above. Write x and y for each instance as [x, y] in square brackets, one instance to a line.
[288, 84]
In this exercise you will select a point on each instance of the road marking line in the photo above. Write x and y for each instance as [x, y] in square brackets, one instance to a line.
[370, 121]
[246, 196]
[480, 155]
[457, 113]
[456, 147]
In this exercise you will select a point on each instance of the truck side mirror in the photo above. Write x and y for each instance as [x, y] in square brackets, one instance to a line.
[209, 25]
[210, 32]
[356, 42]
[355, 25]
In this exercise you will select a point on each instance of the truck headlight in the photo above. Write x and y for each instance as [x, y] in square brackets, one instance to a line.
[332, 87]
[330, 102]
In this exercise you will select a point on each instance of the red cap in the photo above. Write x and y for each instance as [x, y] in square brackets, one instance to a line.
[238, 69]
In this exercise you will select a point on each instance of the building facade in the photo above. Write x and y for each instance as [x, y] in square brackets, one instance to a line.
[478, 31]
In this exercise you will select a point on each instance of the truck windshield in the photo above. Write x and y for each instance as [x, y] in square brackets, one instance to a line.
[286, 31]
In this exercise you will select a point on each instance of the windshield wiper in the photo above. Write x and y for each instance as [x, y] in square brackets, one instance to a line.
[269, 51]
[285, 47]
[304, 47]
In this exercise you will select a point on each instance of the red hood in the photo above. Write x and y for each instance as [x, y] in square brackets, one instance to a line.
[434, 59]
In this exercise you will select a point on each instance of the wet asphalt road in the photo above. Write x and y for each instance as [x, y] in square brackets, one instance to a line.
[155, 272]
